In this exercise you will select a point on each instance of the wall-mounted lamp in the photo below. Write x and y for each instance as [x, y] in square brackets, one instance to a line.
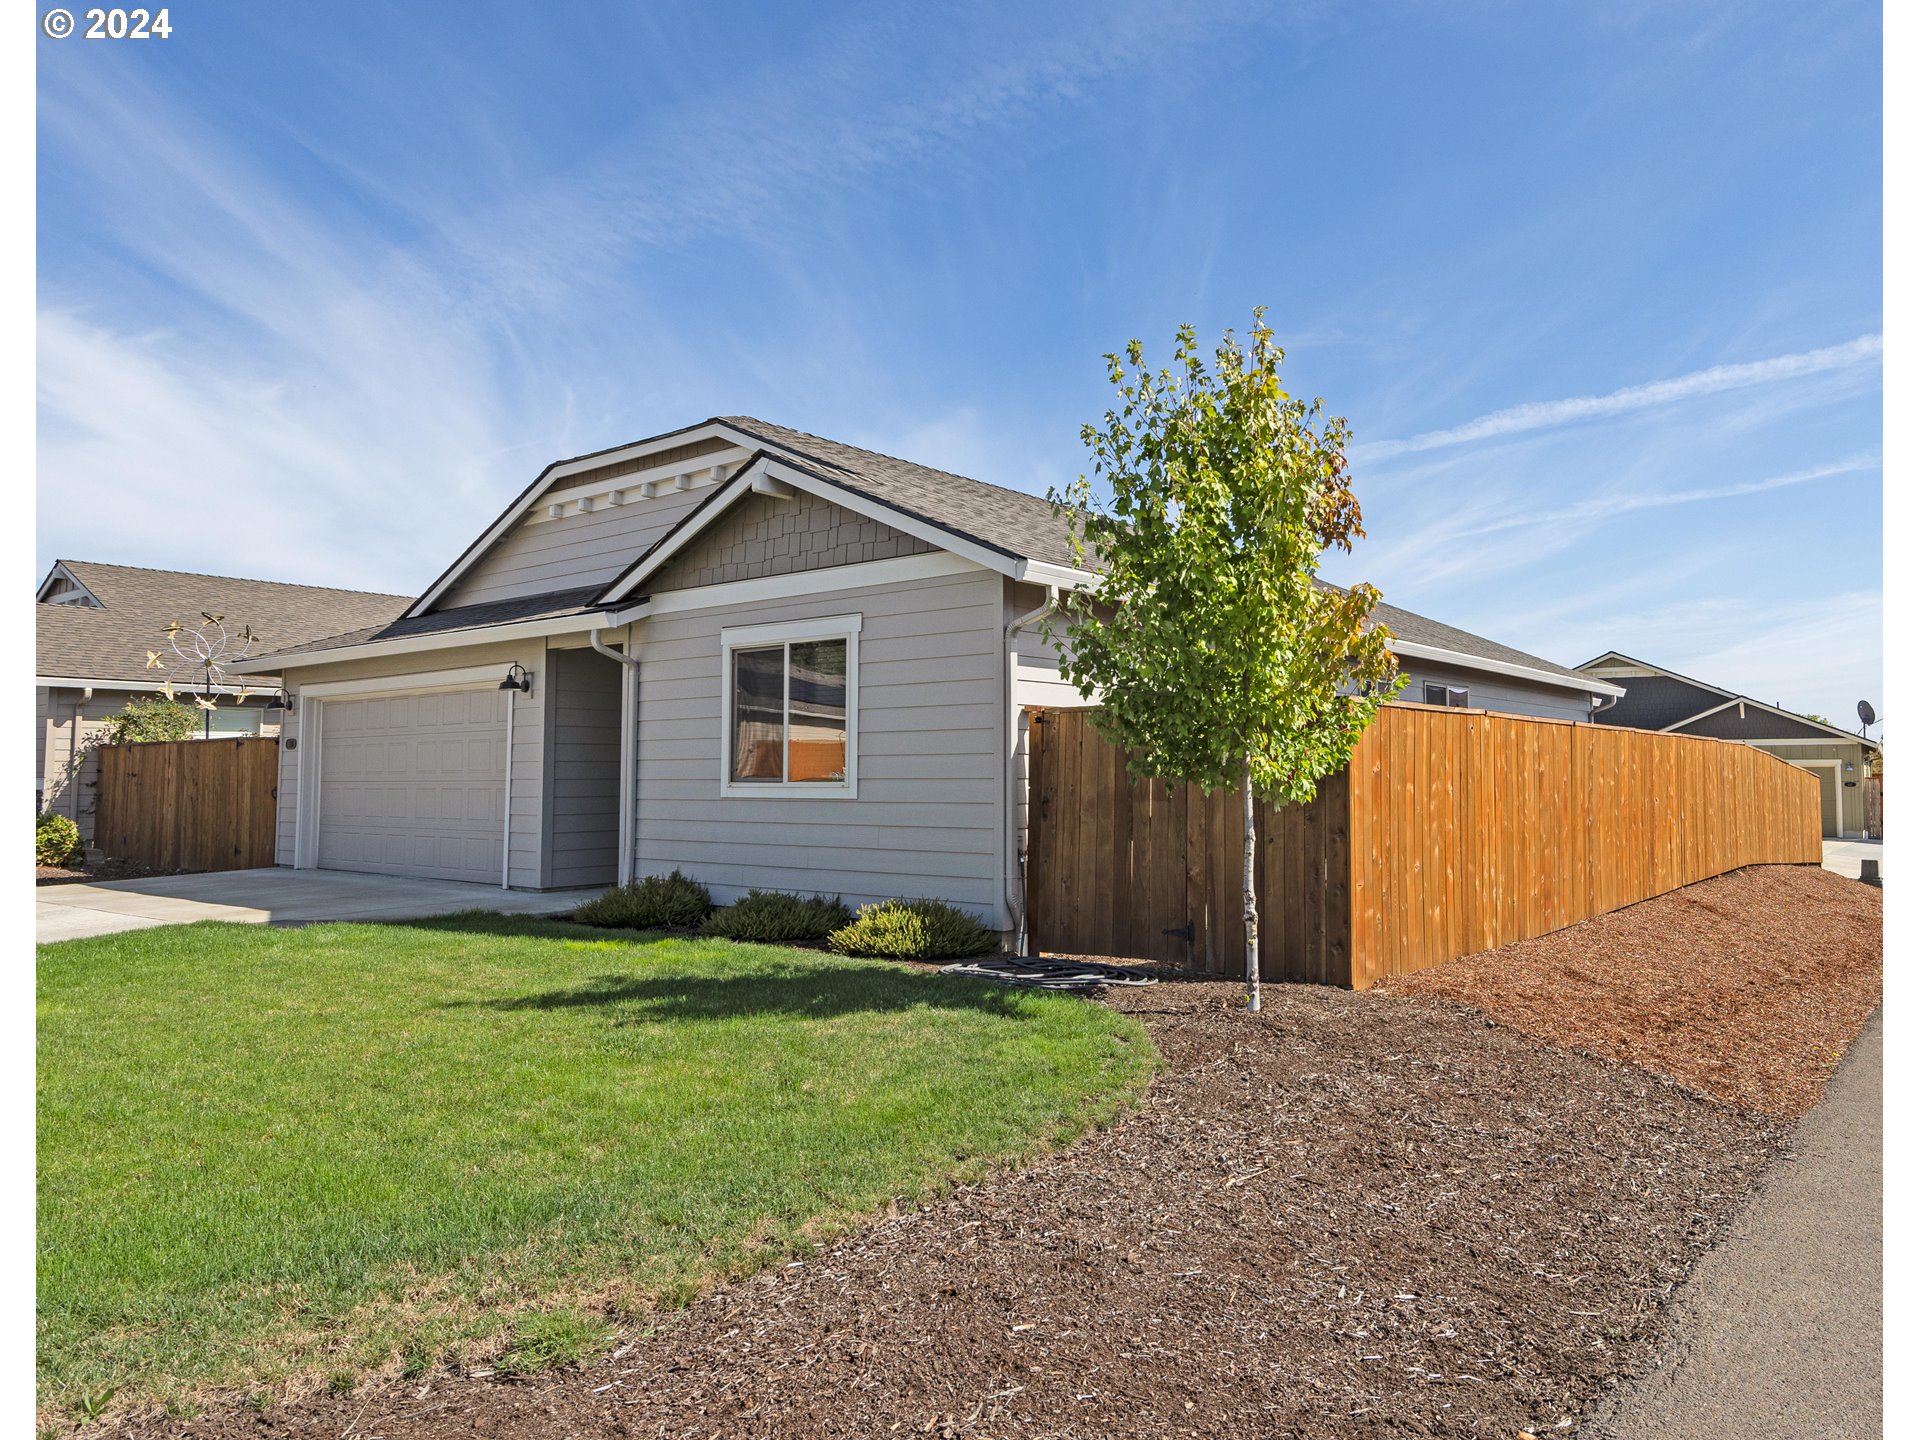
[518, 678]
[282, 700]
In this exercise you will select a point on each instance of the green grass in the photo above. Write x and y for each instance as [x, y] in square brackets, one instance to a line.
[268, 1154]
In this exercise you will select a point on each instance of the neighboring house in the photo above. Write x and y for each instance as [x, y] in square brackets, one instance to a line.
[96, 624]
[1677, 704]
[754, 655]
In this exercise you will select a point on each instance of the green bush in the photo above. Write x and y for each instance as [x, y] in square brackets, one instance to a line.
[913, 930]
[151, 718]
[658, 902]
[56, 839]
[772, 918]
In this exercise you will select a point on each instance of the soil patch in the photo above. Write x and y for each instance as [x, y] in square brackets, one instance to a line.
[105, 869]
[1353, 1215]
[1748, 987]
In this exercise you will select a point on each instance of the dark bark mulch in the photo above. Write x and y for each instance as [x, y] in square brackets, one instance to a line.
[1748, 987]
[99, 870]
[1354, 1215]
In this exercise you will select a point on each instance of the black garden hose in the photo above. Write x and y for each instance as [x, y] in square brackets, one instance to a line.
[1041, 974]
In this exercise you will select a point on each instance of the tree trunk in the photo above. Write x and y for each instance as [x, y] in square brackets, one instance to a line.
[1246, 885]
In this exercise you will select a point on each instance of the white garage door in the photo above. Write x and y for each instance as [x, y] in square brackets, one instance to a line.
[412, 784]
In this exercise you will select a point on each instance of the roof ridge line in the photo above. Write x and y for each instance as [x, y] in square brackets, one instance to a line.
[238, 579]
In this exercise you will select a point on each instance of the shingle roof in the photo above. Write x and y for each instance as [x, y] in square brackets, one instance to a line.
[1027, 526]
[1011, 521]
[548, 606]
[111, 641]
[1419, 630]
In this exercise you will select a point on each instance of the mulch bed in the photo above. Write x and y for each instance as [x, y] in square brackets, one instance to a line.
[1748, 987]
[1354, 1215]
[105, 869]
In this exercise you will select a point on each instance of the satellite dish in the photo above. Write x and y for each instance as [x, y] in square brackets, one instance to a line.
[1865, 712]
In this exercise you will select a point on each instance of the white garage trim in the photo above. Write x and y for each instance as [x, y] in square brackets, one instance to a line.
[307, 771]
[1839, 793]
[473, 677]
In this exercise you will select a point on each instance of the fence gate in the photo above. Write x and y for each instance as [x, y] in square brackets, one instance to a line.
[189, 804]
[1126, 867]
[1875, 801]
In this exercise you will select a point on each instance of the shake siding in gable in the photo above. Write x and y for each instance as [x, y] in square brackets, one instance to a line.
[927, 818]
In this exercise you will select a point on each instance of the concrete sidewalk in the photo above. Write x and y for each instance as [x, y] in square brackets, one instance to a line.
[1777, 1335]
[1843, 857]
[273, 897]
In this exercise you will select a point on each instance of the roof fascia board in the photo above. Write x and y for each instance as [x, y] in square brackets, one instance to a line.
[1834, 730]
[843, 493]
[767, 466]
[830, 580]
[1662, 670]
[1710, 710]
[141, 687]
[1043, 572]
[420, 644]
[544, 481]
[1591, 684]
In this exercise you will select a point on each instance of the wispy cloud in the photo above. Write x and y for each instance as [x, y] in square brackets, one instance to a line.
[1492, 533]
[1548, 414]
[1605, 507]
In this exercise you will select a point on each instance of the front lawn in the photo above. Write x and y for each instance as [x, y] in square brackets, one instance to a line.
[265, 1153]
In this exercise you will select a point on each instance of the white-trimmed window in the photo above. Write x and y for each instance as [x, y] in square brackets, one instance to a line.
[1455, 695]
[789, 706]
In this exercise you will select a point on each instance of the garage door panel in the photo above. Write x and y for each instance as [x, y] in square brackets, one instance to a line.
[413, 784]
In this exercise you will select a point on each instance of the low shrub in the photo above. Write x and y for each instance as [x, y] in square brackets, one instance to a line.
[658, 902]
[913, 930]
[56, 839]
[770, 917]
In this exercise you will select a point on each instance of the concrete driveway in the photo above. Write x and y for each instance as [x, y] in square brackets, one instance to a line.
[274, 897]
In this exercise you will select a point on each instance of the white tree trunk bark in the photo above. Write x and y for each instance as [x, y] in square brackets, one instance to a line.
[1246, 880]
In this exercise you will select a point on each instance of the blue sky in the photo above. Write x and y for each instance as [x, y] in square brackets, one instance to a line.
[1598, 287]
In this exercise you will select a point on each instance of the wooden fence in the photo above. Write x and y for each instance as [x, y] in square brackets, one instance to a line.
[188, 804]
[1875, 800]
[1450, 831]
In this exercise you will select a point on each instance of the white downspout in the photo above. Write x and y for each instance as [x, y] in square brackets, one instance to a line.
[1015, 887]
[629, 705]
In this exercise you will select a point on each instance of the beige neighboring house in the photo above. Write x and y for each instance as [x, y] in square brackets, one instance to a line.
[95, 625]
[1676, 704]
[754, 655]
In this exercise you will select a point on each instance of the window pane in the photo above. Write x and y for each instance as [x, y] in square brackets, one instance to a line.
[1436, 694]
[1457, 696]
[817, 710]
[757, 701]
[236, 720]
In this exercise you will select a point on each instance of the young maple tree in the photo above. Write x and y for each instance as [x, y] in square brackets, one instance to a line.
[1219, 657]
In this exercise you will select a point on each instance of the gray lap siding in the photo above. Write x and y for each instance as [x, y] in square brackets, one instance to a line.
[927, 816]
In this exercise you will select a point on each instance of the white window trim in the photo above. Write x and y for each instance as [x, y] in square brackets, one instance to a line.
[754, 637]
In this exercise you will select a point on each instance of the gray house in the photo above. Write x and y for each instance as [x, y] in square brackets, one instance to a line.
[761, 657]
[96, 624]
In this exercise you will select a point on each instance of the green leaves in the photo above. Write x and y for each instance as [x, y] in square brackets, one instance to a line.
[1211, 640]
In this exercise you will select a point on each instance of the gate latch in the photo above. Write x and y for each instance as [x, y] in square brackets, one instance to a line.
[1183, 932]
